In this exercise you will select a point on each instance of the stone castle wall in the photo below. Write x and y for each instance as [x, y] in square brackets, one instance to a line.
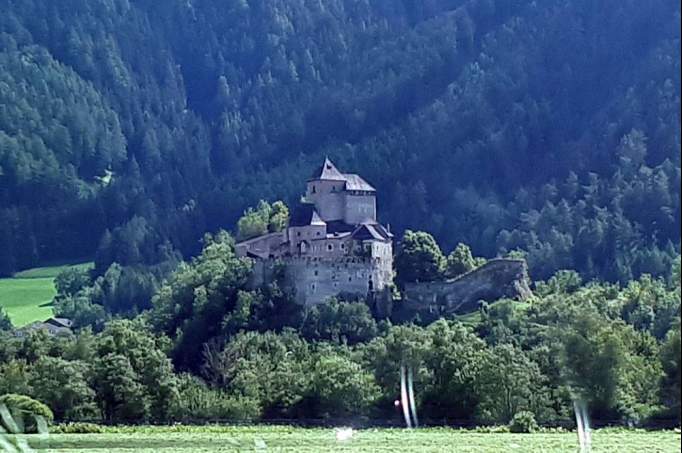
[499, 278]
[329, 199]
[314, 280]
[360, 209]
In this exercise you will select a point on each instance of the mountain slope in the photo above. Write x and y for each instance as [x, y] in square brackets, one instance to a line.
[549, 126]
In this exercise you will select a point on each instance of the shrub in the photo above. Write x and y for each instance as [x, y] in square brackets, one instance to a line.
[198, 402]
[26, 412]
[523, 422]
[496, 429]
[78, 428]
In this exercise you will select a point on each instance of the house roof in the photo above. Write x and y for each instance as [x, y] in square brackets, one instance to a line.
[339, 226]
[371, 232]
[329, 172]
[59, 322]
[305, 215]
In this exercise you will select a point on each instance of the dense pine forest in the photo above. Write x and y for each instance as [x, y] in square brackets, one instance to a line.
[129, 128]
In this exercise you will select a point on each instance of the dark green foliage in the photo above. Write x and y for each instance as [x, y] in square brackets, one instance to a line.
[455, 357]
[72, 280]
[133, 375]
[671, 382]
[264, 219]
[198, 402]
[121, 395]
[78, 428]
[25, 411]
[64, 387]
[269, 368]
[523, 422]
[509, 382]
[419, 258]
[548, 126]
[460, 261]
[194, 301]
[571, 341]
[340, 322]
[5, 322]
[14, 377]
[341, 387]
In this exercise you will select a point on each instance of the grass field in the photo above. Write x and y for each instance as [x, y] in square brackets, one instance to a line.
[285, 439]
[27, 296]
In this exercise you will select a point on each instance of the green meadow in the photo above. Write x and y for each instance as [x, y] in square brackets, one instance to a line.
[288, 439]
[27, 297]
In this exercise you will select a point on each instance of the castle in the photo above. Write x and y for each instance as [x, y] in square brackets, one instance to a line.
[333, 244]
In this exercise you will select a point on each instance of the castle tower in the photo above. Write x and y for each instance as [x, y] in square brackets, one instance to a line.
[326, 191]
[340, 197]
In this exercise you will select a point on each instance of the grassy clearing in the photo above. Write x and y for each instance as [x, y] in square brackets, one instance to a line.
[27, 300]
[51, 271]
[28, 295]
[286, 439]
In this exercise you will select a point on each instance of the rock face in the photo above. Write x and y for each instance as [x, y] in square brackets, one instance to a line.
[498, 279]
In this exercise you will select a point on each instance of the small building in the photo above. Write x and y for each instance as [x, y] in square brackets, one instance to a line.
[333, 244]
[53, 326]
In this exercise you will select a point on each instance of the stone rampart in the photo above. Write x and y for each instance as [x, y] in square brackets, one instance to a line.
[497, 279]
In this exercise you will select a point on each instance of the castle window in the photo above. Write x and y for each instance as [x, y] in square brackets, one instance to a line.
[350, 279]
[319, 233]
[330, 247]
[317, 273]
[298, 234]
[314, 189]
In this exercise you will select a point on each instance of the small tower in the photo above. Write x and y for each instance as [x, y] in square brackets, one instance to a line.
[326, 191]
[341, 197]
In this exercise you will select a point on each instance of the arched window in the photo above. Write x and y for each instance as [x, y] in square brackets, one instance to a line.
[314, 189]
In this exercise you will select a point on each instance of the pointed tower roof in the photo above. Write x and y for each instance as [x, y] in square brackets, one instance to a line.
[305, 215]
[327, 172]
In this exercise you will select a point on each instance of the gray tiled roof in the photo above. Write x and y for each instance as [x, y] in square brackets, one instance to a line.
[304, 215]
[328, 172]
[371, 231]
[355, 182]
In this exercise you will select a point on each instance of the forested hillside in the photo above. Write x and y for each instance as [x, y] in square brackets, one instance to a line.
[128, 128]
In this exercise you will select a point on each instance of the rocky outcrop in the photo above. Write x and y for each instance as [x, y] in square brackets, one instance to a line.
[498, 279]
